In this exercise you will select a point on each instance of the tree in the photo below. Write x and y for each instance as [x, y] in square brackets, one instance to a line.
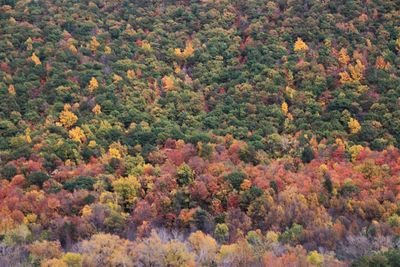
[93, 85]
[235, 179]
[221, 232]
[127, 188]
[168, 83]
[307, 155]
[45, 250]
[37, 178]
[35, 59]
[106, 250]
[176, 254]
[73, 259]
[78, 183]
[345, 77]
[344, 59]
[185, 175]
[67, 118]
[300, 45]
[97, 109]
[53, 263]
[315, 258]
[381, 64]
[187, 52]
[29, 43]
[357, 71]
[284, 108]
[205, 247]
[94, 44]
[11, 90]
[236, 254]
[77, 134]
[354, 126]
[130, 74]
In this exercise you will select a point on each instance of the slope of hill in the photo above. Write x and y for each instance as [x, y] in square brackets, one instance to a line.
[199, 133]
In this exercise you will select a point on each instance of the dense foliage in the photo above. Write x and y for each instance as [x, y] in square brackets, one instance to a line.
[199, 133]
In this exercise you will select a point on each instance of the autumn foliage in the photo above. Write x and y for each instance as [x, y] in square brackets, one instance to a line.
[199, 133]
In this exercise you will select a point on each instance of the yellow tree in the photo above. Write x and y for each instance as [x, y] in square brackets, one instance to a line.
[284, 108]
[315, 258]
[168, 83]
[117, 78]
[177, 68]
[72, 48]
[28, 43]
[107, 250]
[130, 74]
[35, 59]
[77, 134]
[344, 59]
[345, 77]
[97, 109]
[93, 84]
[11, 89]
[354, 126]
[187, 52]
[94, 44]
[28, 138]
[146, 46]
[127, 189]
[381, 64]
[357, 70]
[300, 45]
[67, 118]
[107, 50]
[72, 259]
[114, 153]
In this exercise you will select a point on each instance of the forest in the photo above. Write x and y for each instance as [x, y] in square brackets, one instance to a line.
[215, 133]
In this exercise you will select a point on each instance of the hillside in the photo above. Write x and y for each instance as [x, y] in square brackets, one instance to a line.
[199, 133]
